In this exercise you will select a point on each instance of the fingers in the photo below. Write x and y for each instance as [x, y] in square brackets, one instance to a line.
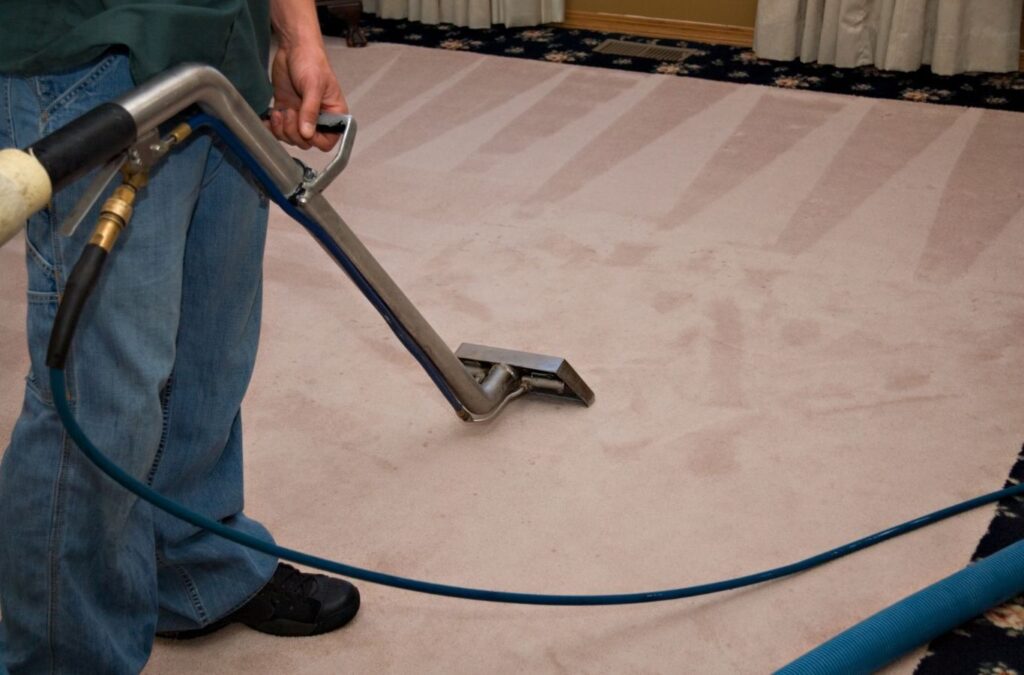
[284, 124]
[277, 124]
[324, 142]
[324, 95]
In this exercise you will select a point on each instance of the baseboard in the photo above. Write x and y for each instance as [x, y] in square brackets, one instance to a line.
[714, 33]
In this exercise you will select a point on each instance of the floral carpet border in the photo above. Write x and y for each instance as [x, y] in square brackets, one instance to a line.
[710, 62]
[993, 643]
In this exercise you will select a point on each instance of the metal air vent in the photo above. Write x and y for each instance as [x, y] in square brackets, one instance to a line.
[642, 50]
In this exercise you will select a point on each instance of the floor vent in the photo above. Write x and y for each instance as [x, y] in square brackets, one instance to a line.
[642, 50]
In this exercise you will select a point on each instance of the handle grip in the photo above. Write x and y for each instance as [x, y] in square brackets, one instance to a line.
[85, 143]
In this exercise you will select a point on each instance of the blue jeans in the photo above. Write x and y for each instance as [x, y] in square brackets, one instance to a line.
[156, 376]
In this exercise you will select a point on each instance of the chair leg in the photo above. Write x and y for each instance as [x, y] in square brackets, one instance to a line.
[351, 13]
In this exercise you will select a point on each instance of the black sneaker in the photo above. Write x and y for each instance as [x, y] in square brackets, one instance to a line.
[292, 603]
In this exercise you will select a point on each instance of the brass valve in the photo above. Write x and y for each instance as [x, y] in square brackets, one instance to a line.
[117, 210]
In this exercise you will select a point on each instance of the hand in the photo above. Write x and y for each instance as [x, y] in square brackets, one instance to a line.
[304, 85]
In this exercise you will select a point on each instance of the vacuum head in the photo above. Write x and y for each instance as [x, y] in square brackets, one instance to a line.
[549, 375]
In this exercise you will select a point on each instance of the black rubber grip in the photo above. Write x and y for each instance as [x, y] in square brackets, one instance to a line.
[326, 123]
[80, 285]
[329, 123]
[85, 143]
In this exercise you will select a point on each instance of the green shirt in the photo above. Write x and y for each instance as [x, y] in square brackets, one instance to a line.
[42, 36]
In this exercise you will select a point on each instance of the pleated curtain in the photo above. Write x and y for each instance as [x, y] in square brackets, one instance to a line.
[470, 13]
[953, 36]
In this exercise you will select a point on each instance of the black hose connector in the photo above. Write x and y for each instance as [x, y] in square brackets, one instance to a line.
[85, 143]
[79, 287]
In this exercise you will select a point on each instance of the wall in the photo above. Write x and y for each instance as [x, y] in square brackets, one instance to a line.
[726, 12]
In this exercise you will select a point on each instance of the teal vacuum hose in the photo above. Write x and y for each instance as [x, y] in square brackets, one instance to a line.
[915, 620]
[63, 333]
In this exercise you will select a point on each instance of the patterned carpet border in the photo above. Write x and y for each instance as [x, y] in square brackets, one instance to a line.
[992, 644]
[710, 62]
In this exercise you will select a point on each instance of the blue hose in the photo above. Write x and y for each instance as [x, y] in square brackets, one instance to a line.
[57, 383]
[915, 620]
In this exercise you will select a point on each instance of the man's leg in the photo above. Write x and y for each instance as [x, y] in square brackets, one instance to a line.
[78, 585]
[203, 577]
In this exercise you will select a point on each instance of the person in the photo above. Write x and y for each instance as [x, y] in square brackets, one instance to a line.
[89, 574]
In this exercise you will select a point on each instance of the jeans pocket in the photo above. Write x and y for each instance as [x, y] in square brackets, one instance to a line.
[42, 277]
[64, 96]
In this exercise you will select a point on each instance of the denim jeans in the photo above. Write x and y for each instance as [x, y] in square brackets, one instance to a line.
[156, 375]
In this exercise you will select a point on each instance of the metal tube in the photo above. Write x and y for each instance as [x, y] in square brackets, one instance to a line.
[468, 391]
[168, 94]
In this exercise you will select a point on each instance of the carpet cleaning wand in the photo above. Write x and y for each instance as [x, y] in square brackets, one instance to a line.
[477, 381]
[122, 138]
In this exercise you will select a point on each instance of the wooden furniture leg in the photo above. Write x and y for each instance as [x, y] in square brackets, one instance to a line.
[349, 11]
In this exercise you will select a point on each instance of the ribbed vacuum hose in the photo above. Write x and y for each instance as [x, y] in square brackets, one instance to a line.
[917, 619]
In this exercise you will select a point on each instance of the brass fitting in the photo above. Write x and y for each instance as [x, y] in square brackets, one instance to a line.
[117, 210]
[181, 132]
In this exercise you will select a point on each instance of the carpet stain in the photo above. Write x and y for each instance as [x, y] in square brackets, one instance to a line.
[388, 350]
[801, 332]
[664, 302]
[568, 250]
[686, 340]
[762, 278]
[907, 379]
[467, 305]
[632, 449]
[712, 452]
[702, 261]
[727, 343]
[629, 255]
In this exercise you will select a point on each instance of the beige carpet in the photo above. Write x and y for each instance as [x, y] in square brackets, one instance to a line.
[802, 315]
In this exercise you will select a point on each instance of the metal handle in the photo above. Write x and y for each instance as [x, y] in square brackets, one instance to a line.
[347, 126]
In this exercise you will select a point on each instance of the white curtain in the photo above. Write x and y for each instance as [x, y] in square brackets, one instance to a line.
[952, 35]
[471, 13]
